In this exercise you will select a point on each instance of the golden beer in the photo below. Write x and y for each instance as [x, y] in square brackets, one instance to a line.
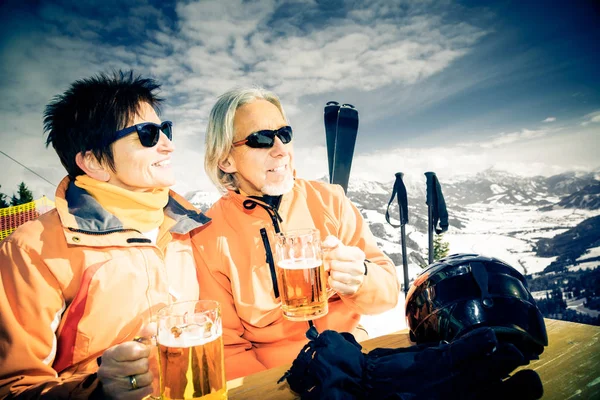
[190, 351]
[194, 372]
[302, 287]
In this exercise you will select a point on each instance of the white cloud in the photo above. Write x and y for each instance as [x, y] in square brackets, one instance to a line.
[216, 23]
[503, 139]
[550, 119]
[591, 118]
[233, 40]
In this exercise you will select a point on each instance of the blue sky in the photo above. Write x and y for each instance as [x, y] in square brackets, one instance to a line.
[453, 87]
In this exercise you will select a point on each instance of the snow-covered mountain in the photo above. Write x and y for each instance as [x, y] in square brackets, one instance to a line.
[572, 246]
[494, 213]
[498, 187]
[202, 200]
[586, 198]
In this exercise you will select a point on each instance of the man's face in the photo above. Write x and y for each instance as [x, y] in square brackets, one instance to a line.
[140, 168]
[260, 171]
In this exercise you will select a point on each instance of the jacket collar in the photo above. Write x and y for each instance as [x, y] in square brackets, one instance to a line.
[79, 210]
[239, 199]
[283, 208]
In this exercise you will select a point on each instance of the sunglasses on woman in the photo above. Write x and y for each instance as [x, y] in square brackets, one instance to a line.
[148, 132]
[266, 139]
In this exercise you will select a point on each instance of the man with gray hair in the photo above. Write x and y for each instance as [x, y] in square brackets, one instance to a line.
[250, 157]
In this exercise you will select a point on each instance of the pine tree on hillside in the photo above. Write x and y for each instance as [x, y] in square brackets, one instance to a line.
[440, 247]
[23, 196]
[3, 202]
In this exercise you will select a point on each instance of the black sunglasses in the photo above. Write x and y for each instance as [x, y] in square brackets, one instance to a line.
[266, 139]
[148, 132]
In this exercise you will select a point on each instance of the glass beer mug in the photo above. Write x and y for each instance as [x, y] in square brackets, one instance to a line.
[301, 276]
[190, 351]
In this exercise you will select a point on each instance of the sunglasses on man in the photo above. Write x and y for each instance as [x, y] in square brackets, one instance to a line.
[148, 132]
[265, 139]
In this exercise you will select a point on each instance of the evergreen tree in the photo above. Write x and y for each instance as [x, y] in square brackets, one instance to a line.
[440, 247]
[23, 196]
[3, 202]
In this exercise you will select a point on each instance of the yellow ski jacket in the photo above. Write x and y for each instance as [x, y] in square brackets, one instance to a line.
[74, 282]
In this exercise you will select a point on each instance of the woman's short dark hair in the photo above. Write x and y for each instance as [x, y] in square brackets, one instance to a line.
[85, 117]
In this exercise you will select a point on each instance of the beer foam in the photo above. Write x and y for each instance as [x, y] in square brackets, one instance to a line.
[185, 339]
[299, 263]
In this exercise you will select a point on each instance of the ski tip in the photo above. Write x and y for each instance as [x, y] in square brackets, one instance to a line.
[332, 103]
[348, 105]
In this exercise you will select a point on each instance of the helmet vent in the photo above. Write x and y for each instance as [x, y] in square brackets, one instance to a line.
[481, 277]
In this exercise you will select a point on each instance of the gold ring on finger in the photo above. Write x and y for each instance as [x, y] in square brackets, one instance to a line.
[133, 381]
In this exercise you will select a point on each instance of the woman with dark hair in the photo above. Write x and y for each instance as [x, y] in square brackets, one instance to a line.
[78, 284]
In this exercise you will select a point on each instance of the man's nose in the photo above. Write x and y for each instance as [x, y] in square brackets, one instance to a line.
[279, 148]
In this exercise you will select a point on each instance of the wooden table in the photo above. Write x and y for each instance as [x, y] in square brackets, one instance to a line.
[569, 367]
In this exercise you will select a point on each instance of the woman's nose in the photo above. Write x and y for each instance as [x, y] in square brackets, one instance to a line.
[165, 144]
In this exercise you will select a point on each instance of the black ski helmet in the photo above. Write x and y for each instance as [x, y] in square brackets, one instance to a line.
[465, 291]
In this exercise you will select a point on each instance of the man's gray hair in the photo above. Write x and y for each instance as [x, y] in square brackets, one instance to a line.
[219, 133]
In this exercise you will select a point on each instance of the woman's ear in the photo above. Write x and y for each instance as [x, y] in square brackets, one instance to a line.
[227, 165]
[91, 166]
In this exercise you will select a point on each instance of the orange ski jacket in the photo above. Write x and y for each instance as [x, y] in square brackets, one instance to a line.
[74, 282]
[235, 261]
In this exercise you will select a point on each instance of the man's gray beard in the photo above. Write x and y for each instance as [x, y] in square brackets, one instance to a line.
[279, 188]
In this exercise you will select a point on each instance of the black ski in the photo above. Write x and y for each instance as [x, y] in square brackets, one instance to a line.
[347, 129]
[331, 121]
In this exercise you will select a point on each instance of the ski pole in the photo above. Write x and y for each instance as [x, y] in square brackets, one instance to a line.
[436, 210]
[430, 195]
[400, 191]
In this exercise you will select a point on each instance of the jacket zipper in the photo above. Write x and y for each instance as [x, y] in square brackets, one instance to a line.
[129, 240]
[102, 233]
[269, 253]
